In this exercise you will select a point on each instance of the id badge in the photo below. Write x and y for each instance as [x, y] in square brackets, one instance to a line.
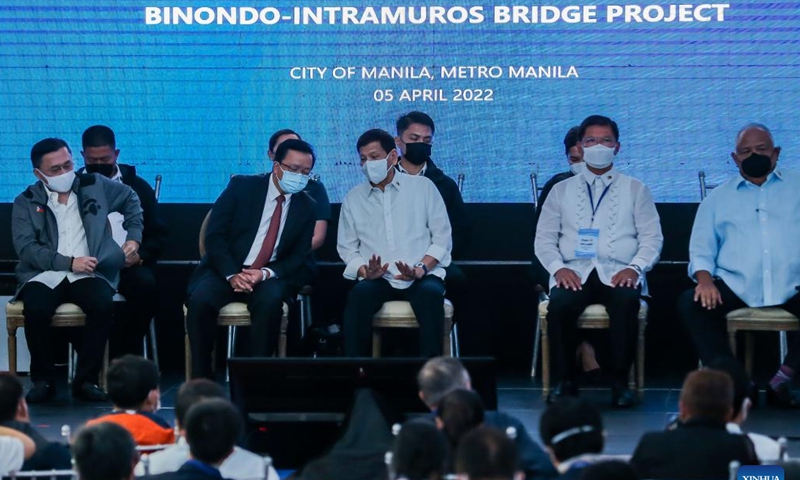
[587, 243]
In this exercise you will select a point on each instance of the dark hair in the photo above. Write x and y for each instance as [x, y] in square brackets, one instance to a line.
[741, 381]
[486, 453]
[376, 135]
[212, 428]
[419, 451]
[192, 392]
[10, 394]
[406, 120]
[130, 379]
[275, 136]
[571, 139]
[98, 136]
[578, 421]
[708, 394]
[43, 147]
[297, 146]
[105, 451]
[460, 411]
[609, 470]
[601, 121]
[440, 376]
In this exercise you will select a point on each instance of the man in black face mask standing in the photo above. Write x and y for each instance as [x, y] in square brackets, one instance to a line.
[743, 253]
[137, 280]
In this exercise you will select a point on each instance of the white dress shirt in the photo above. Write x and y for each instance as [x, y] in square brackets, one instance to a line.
[767, 449]
[270, 204]
[747, 236]
[116, 219]
[626, 217]
[240, 465]
[404, 222]
[12, 455]
[71, 238]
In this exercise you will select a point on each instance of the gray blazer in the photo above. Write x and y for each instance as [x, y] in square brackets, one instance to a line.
[35, 231]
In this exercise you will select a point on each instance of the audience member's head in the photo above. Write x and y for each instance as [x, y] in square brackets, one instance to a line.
[742, 390]
[132, 383]
[419, 452]
[105, 451]
[707, 394]
[12, 400]
[279, 137]
[440, 376]
[192, 393]
[571, 427]
[610, 470]
[459, 412]
[212, 428]
[486, 453]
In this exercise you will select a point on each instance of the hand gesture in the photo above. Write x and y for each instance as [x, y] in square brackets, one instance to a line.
[241, 283]
[133, 260]
[627, 277]
[84, 264]
[130, 247]
[254, 275]
[707, 294]
[374, 270]
[407, 272]
[568, 279]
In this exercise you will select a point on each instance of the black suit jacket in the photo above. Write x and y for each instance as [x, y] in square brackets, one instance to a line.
[698, 449]
[233, 225]
[188, 471]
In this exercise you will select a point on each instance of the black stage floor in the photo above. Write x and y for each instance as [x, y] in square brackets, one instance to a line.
[518, 395]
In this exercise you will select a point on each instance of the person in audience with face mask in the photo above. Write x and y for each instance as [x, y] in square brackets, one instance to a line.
[598, 234]
[68, 255]
[742, 253]
[137, 280]
[395, 238]
[257, 239]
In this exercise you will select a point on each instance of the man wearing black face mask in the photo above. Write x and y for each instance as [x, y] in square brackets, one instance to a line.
[137, 280]
[743, 253]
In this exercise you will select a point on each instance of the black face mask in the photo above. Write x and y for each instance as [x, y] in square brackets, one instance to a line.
[417, 153]
[756, 165]
[104, 169]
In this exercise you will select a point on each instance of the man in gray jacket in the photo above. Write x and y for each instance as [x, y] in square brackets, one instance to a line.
[67, 255]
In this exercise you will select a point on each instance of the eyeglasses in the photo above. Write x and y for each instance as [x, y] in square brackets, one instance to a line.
[295, 169]
[592, 141]
[58, 169]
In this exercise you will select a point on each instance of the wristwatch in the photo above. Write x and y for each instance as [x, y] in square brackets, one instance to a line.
[636, 269]
[264, 274]
[423, 267]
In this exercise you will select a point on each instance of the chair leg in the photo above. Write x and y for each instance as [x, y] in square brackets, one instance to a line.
[12, 350]
[640, 363]
[732, 340]
[376, 343]
[70, 364]
[784, 345]
[154, 343]
[545, 359]
[536, 341]
[231, 341]
[447, 344]
[104, 370]
[187, 356]
[305, 314]
[748, 354]
[456, 348]
[282, 338]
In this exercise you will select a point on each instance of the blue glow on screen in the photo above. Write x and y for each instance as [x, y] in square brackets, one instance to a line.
[196, 103]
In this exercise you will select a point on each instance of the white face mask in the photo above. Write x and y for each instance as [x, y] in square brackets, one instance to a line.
[577, 168]
[598, 156]
[376, 170]
[60, 183]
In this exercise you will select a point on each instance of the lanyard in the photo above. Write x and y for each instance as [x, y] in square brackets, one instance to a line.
[599, 200]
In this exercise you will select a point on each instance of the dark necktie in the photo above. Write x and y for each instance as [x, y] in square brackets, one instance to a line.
[272, 236]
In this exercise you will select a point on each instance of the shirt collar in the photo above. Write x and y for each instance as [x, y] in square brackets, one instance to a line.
[421, 172]
[273, 192]
[734, 428]
[396, 183]
[53, 196]
[563, 467]
[117, 176]
[773, 176]
[605, 178]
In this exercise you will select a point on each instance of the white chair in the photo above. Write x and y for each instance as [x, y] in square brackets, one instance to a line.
[399, 314]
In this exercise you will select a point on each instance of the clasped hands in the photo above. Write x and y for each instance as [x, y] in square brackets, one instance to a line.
[374, 270]
[244, 281]
[568, 279]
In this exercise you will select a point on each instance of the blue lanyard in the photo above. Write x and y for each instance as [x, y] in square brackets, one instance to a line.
[599, 200]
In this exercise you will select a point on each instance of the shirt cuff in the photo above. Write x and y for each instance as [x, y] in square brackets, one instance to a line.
[271, 273]
[555, 266]
[437, 252]
[351, 270]
[228, 277]
[697, 265]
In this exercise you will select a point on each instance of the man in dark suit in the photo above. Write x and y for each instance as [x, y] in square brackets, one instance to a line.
[258, 235]
[700, 447]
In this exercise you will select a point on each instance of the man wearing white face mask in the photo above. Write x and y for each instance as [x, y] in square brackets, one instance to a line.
[257, 239]
[597, 235]
[67, 255]
[395, 238]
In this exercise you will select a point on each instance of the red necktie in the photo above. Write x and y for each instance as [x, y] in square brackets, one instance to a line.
[265, 254]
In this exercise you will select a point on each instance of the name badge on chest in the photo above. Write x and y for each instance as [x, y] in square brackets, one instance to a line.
[587, 243]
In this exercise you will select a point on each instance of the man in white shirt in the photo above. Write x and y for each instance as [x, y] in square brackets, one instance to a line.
[598, 233]
[395, 239]
[67, 254]
[240, 465]
[743, 253]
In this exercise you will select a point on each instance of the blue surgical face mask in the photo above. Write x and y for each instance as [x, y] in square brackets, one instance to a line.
[292, 182]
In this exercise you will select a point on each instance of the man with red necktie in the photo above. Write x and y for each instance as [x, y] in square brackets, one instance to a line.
[258, 235]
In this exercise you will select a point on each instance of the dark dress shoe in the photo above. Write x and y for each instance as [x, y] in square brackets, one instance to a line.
[40, 392]
[564, 389]
[783, 397]
[88, 392]
[623, 397]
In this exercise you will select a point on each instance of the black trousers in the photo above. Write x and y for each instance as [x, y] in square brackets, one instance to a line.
[132, 320]
[210, 294]
[709, 329]
[622, 304]
[94, 296]
[426, 297]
